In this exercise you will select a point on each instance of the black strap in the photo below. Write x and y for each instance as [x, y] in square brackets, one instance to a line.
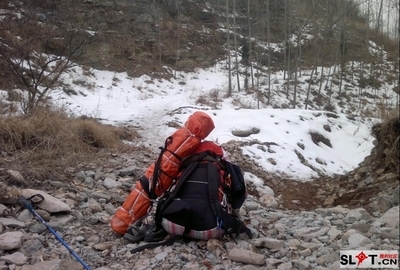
[163, 204]
[168, 242]
[203, 156]
[214, 199]
[230, 223]
[157, 167]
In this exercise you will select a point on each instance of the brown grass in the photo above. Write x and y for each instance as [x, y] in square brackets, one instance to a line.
[45, 144]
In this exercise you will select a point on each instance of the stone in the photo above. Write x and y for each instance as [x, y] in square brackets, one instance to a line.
[395, 196]
[357, 240]
[356, 215]
[11, 222]
[269, 243]
[11, 240]
[94, 205]
[334, 233]
[246, 256]
[3, 208]
[81, 176]
[110, 183]
[310, 232]
[17, 258]
[245, 133]
[50, 203]
[16, 177]
[391, 217]
[384, 203]
[268, 201]
[56, 264]
[301, 265]
[214, 244]
[361, 227]
[128, 171]
[104, 245]
[285, 266]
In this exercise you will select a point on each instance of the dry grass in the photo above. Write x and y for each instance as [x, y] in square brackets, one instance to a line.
[45, 144]
[212, 99]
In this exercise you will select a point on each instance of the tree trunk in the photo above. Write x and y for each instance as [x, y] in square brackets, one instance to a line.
[309, 88]
[286, 42]
[229, 51]
[269, 53]
[235, 44]
[178, 43]
[250, 48]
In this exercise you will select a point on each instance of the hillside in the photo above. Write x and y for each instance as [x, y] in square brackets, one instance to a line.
[162, 38]
[90, 90]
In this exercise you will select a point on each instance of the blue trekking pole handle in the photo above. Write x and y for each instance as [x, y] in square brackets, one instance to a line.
[28, 205]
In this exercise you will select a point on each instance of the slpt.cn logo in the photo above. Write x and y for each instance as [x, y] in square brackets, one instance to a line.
[369, 259]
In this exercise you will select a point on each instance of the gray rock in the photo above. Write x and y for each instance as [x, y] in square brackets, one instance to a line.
[31, 245]
[269, 243]
[395, 196]
[81, 176]
[3, 208]
[356, 215]
[245, 133]
[310, 232]
[384, 203]
[94, 205]
[301, 265]
[391, 217]
[11, 240]
[88, 182]
[110, 183]
[53, 265]
[285, 266]
[16, 177]
[357, 240]
[246, 256]
[129, 171]
[16, 258]
[12, 222]
[37, 228]
[50, 203]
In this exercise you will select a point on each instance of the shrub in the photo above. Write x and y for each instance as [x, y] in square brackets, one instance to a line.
[44, 144]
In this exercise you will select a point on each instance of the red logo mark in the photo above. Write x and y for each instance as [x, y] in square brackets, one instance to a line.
[361, 257]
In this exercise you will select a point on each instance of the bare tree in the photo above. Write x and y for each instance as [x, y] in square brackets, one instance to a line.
[379, 24]
[235, 44]
[250, 47]
[36, 56]
[309, 88]
[179, 36]
[269, 52]
[228, 50]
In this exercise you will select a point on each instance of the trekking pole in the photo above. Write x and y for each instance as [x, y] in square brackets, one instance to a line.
[27, 203]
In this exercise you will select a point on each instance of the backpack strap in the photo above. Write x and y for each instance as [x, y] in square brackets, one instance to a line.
[168, 242]
[157, 167]
[230, 223]
[168, 197]
[203, 156]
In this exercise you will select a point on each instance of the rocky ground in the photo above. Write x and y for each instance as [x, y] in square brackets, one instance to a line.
[296, 225]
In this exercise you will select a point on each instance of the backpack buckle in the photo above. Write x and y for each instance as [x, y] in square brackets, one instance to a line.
[224, 201]
[219, 223]
[228, 181]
